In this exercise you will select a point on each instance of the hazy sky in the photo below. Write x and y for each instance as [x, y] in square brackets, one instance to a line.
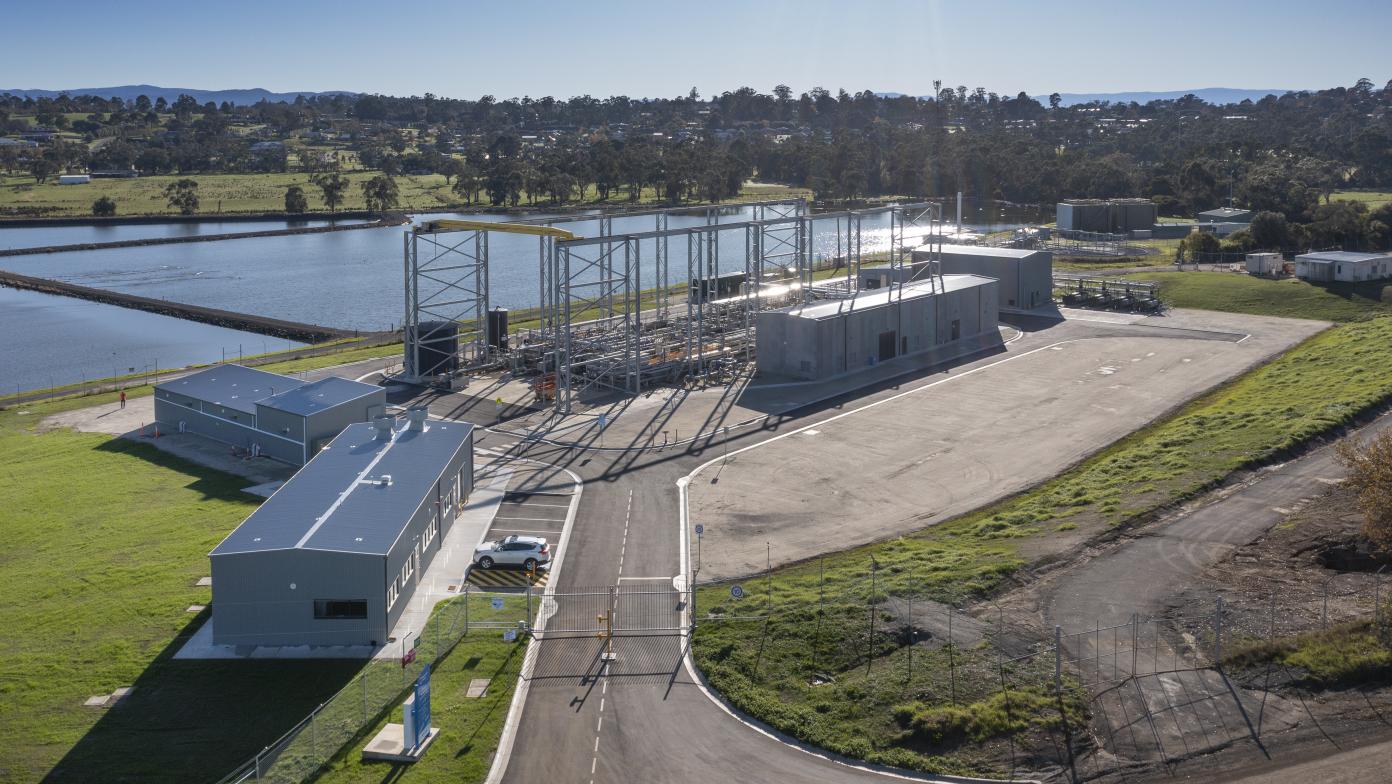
[466, 49]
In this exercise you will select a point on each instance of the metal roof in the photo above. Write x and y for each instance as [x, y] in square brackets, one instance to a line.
[879, 298]
[984, 250]
[231, 386]
[340, 501]
[1342, 256]
[318, 395]
[1226, 212]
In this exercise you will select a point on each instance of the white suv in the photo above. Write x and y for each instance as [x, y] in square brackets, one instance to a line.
[528, 552]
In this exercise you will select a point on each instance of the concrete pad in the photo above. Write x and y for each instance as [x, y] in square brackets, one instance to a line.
[200, 646]
[389, 745]
[196, 608]
[204, 582]
[119, 694]
[264, 489]
[97, 701]
[962, 438]
[477, 688]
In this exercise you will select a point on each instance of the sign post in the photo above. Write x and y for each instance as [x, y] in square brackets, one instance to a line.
[415, 714]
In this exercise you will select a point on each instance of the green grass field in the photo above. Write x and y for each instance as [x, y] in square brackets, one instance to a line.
[245, 193]
[768, 671]
[1373, 199]
[105, 541]
[1289, 298]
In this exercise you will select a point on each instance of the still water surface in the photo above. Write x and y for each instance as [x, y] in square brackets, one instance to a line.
[354, 280]
[47, 341]
[44, 236]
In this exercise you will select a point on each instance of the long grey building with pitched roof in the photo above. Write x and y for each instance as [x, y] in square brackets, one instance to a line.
[333, 556]
[265, 413]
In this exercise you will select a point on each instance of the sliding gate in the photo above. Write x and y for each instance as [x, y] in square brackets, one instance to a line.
[626, 610]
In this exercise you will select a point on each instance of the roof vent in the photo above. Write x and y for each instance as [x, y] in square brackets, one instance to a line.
[416, 417]
[383, 425]
[384, 480]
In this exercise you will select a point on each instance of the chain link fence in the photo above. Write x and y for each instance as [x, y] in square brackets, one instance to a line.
[381, 685]
[1101, 699]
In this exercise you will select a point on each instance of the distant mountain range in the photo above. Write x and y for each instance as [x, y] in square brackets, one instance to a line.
[129, 92]
[1214, 95]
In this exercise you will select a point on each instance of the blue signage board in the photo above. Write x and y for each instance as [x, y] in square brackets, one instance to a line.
[420, 711]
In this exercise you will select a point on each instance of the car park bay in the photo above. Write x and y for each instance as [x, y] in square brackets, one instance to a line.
[524, 512]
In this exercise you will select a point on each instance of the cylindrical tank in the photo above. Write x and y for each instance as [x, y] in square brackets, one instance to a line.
[497, 334]
[435, 345]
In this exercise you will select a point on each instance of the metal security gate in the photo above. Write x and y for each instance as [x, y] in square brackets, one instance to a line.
[626, 610]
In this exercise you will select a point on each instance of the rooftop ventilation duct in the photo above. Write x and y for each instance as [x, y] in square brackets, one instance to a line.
[383, 425]
[416, 418]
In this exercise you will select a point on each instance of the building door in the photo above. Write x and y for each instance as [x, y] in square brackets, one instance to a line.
[887, 341]
[956, 329]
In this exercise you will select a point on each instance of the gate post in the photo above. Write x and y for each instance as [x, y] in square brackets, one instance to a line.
[1058, 660]
[1218, 636]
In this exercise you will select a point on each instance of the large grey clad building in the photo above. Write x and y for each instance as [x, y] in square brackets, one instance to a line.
[1026, 276]
[830, 337]
[1105, 216]
[333, 557]
[266, 413]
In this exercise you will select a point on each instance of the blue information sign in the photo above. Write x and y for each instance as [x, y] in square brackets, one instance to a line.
[420, 711]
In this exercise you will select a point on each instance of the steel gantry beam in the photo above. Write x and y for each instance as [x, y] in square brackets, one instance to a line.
[446, 289]
[594, 332]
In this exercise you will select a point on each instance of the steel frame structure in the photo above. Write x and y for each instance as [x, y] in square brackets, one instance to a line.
[595, 333]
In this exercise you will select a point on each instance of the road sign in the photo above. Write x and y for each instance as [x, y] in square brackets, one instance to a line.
[497, 603]
[510, 635]
[737, 592]
[700, 529]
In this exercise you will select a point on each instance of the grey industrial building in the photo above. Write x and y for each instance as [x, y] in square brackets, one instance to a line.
[265, 413]
[1342, 266]
[830, 337]
[1105, 216]
[333, 557]
[1026, 276]
[1226, 215]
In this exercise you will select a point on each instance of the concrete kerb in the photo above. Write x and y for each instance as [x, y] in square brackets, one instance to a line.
[772, 734]
[524, 680]
[754, 420]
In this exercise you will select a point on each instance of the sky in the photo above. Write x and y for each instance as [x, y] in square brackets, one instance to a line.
[513, 48]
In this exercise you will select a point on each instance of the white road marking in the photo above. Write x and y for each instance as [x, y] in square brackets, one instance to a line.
[638, 579]
[532, 519]
[524, 682]
[502, 528]
[1280, 510]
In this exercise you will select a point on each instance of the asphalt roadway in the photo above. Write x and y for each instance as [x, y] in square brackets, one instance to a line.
[644, 717]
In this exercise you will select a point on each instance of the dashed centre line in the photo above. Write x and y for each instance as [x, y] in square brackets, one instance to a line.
[604, 686]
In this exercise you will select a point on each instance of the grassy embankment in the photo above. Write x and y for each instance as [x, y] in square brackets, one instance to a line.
[105, 541]
[1339, 656]
[767, 670]
[247, 193]
[1288, 298]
